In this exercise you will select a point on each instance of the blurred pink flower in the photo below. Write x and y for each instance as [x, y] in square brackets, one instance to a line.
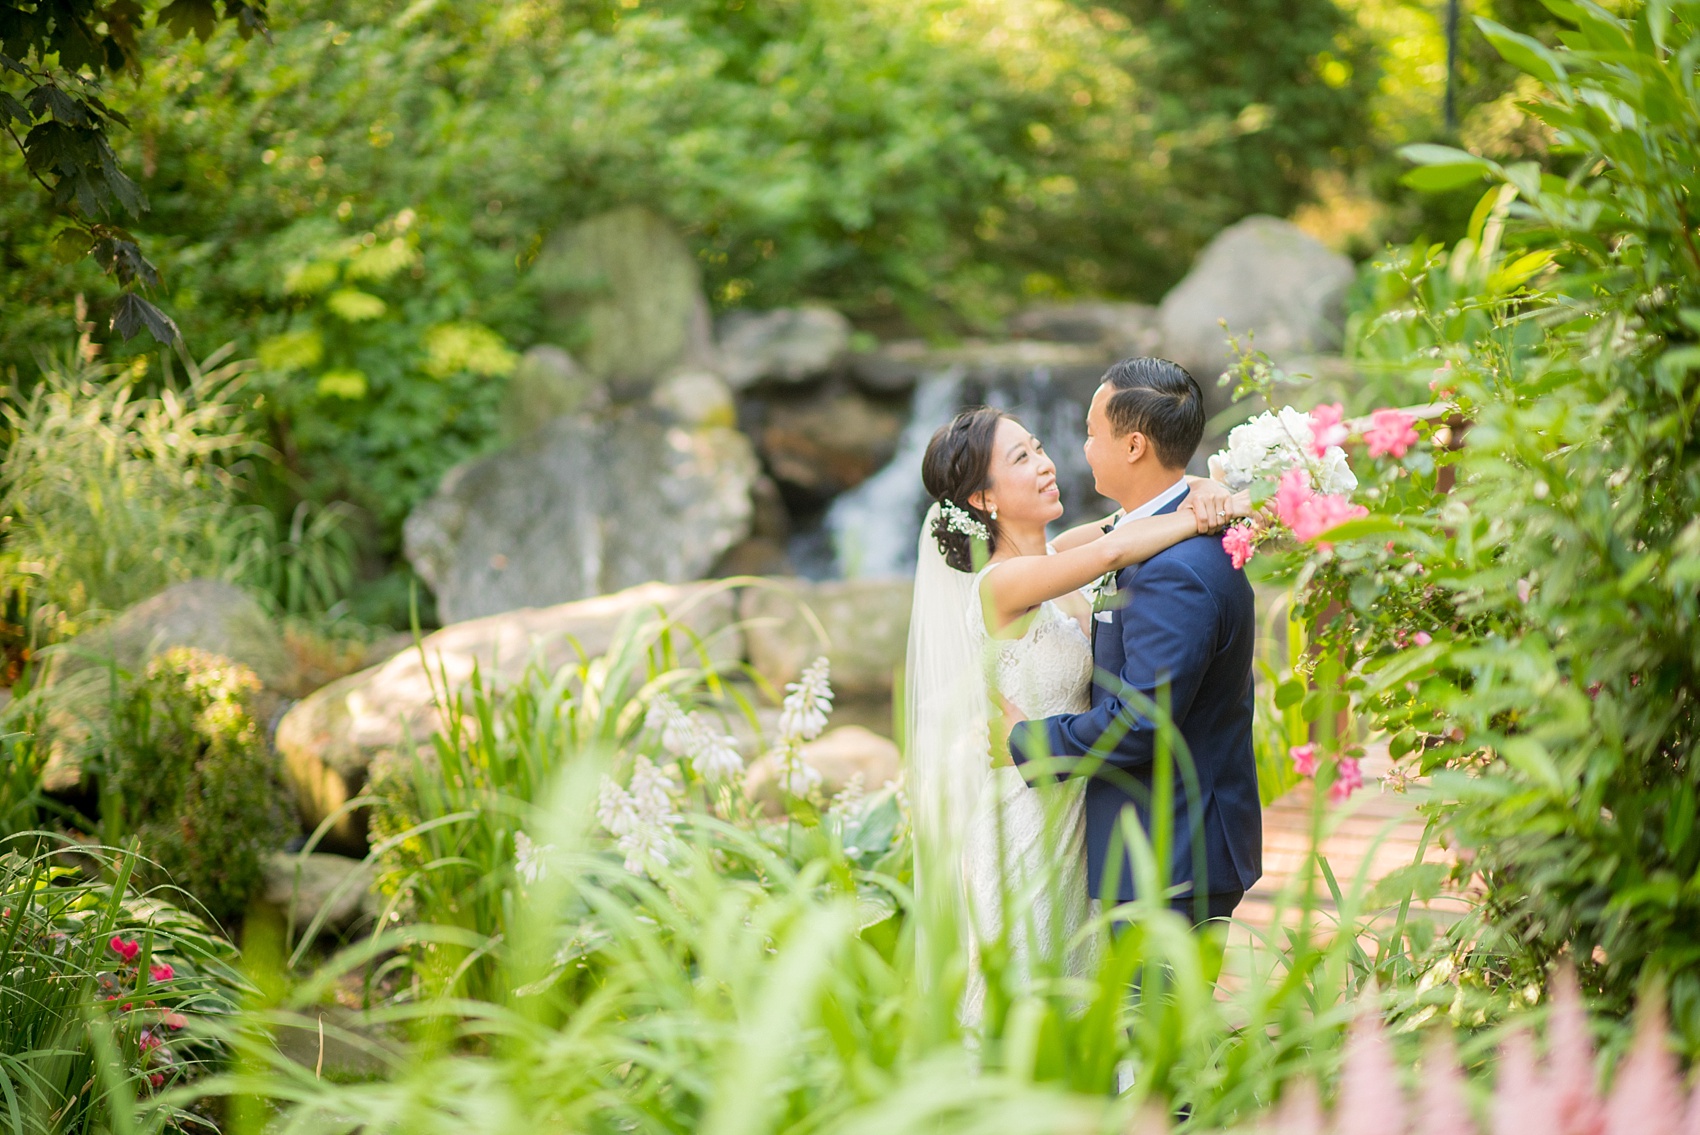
[1238, 542]
[1390, 432]
[1327, 427]
[1524, 590]
[1646, 1093]
[1304, 759]
[161, 972]
[1308, 513]
[173, 1020]
[157, 1079]
[126, 948]
[1371, 1102]
[1348, 778]
[1422, 638]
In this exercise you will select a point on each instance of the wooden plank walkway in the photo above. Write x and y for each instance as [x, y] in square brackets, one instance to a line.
[1375, 833]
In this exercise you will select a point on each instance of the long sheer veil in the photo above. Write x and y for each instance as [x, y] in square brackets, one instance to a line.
[948, 713]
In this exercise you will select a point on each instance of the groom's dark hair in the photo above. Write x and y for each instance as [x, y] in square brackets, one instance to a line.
[1161, 400]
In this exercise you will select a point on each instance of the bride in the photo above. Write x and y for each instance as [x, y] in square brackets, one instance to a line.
[998, 611]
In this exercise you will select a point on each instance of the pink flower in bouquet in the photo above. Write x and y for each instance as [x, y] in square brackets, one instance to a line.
[126, 948]
[1348, 778]
[1308, 513]
[1240, 543]
[1327, 428]
[1304, 759]
[1390, 432]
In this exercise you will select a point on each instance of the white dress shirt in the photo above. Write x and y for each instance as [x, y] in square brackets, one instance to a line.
[1150, 507]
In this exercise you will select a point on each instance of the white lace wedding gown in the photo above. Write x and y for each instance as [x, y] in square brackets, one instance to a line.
[1042, 830]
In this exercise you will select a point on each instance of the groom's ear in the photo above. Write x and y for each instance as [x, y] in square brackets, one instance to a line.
[1138, 445]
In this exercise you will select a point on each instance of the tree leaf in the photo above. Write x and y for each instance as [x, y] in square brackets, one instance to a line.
[1523, 52]
[190, 16]
[133, 313]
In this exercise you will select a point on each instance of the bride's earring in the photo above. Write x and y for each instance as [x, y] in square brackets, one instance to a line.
[994, 512]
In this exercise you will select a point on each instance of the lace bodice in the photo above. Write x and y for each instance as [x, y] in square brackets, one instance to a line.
[1048, 670]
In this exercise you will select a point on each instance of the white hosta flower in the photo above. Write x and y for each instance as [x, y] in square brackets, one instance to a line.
[713, 755]
[716, 757]
[850, 797]
[795, 777]
[802, 717]
[641, 819]
[530, 859]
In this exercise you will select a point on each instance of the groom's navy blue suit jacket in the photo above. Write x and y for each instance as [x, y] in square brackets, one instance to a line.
[1186, 622]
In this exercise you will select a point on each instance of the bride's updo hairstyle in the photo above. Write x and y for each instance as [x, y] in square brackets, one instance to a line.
[958, 464]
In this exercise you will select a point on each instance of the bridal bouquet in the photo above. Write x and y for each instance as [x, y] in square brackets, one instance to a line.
[1302, 456]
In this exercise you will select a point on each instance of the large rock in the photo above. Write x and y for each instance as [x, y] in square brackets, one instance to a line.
[329, 739]
[207, 614]
[306, 885]
[584, 507]
[1262, 275]
[839, 755]
[1120, 329]
[789, 344]
[547, 384]
[861, 625]
[625, 291]
[830, 442]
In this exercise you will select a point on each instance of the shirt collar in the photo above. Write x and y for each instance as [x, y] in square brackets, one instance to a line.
[1151, 507]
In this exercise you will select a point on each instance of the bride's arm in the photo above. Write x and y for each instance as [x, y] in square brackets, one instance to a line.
[1020, 584]
[1203, 490]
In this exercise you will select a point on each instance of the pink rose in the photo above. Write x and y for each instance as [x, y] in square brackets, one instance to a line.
[1327, 427]
[1239, 543]
[1390, 432]
[1304, 759]
[1348, 778]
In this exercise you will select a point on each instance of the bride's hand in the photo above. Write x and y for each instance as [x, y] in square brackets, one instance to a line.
[1213, 505]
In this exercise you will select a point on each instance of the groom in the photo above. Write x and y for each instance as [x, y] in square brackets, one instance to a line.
[1177, 631]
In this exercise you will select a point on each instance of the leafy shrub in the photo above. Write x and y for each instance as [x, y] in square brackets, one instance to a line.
[1551, 690]
[190, 773]
[107, 995]
[109, 494]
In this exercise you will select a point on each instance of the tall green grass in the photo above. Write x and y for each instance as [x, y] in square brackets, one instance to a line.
[773, 975]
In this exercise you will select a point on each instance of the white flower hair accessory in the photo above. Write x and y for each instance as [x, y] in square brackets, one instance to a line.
[959, 519]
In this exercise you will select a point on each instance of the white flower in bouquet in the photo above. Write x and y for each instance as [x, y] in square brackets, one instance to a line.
[1272, 443]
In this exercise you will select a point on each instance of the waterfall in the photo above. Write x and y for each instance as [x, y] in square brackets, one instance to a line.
[870, 531]
[873, 526]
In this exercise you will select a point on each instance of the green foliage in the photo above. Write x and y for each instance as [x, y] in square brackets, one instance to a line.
[1554, 704]
[190, 774]
[55, 53]
[1259, 96]
[107, 997]
[110, 494]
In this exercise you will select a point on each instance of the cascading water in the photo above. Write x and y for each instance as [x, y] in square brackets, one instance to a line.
[872, 528]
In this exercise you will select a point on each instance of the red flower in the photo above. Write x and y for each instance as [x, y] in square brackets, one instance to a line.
[126, 948]
[157, 1079]
[160, 972]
